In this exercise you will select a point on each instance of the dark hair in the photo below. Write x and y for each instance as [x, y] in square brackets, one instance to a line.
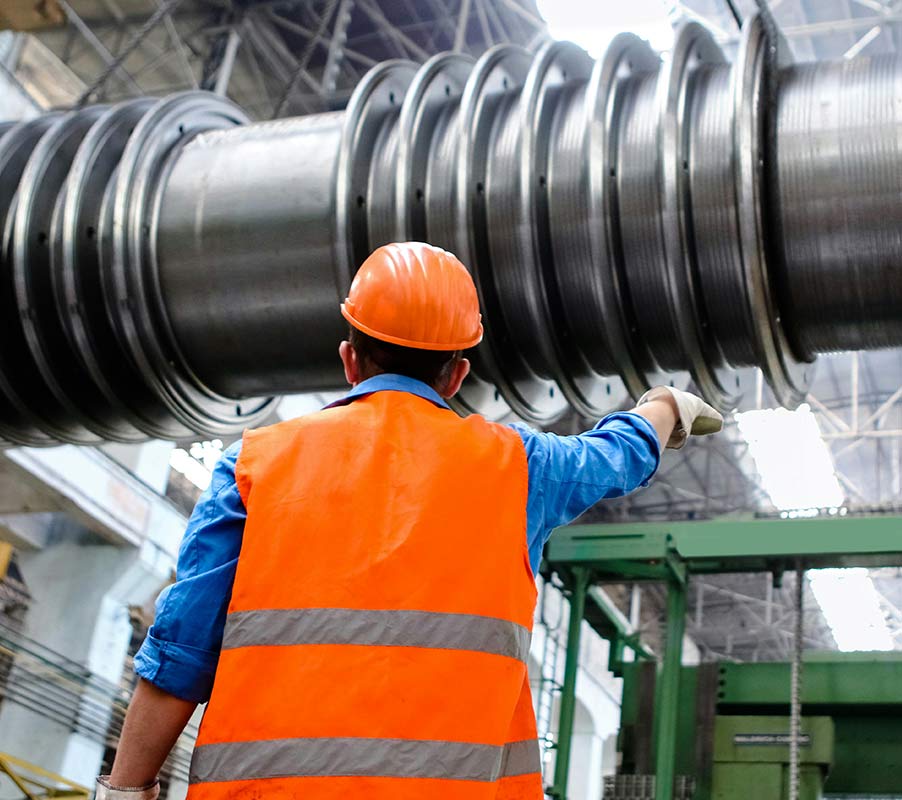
[428, 366]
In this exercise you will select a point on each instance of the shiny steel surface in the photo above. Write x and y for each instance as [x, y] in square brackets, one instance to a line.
[166, 267]
[839, 178]
[67, 404]
[224, 274]
[20, 417]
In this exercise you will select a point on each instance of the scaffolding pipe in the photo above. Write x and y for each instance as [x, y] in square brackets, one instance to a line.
[168, 267]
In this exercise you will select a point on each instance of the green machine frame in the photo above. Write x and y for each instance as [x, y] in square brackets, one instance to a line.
[670, 552]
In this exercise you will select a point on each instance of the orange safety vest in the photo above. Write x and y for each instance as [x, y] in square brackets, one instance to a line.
[379, 625]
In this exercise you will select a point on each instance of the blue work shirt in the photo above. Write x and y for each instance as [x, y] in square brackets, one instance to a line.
[567, 475]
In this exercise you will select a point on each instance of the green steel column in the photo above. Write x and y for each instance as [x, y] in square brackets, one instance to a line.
[667, 692]
[568, 691]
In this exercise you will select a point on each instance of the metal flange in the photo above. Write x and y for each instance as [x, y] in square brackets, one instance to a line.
[80, 413]
[377, 97]
[753, 140]
[141, 317]
[603, 292]
[693, 49]
[21, 419]
[78, 280]
[555, 183]
[494, 85]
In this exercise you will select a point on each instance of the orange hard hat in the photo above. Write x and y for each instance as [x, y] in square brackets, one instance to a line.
[415, 295]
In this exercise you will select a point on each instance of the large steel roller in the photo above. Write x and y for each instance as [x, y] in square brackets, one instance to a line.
[168, 267]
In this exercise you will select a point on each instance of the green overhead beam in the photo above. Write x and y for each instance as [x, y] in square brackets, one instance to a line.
[641, 551]
[831, 680]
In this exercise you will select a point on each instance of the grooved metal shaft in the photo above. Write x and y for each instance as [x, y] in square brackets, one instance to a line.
[167, 267]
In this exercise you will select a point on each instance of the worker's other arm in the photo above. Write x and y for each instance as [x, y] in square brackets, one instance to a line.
[177, 661]
[154, 721]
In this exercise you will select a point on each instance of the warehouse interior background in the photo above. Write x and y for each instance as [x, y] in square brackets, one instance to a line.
[89, 534]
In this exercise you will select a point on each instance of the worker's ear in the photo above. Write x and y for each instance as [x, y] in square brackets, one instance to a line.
[460, 371]
[350, 361]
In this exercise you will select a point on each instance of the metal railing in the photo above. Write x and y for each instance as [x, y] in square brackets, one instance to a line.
[56, 688]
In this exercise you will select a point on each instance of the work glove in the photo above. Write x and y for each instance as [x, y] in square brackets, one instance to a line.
[696, 417]
[106, 792]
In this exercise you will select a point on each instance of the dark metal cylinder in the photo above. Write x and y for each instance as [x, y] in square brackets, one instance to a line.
[166, 266]
[245, 256]
[839, 127]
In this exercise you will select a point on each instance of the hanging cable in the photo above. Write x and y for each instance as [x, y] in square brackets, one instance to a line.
[795, 720]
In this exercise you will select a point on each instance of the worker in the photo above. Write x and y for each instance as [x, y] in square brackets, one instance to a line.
[356, 588]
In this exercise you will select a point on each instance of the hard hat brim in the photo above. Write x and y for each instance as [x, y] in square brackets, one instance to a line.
[384, 337]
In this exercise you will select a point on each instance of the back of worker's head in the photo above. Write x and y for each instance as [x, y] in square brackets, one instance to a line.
[413, 310]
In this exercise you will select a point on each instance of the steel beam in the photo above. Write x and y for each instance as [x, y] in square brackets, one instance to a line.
[224, 73]
[640, 550]
[667, 692]
[567, 716]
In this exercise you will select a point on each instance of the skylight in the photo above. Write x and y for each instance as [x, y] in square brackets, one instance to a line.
[593, 25]
[851, 606]
[197, 465]
[794, 463]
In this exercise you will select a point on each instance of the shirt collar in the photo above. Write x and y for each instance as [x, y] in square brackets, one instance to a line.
[391, 383]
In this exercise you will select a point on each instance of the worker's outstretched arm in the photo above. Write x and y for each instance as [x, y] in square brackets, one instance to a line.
[569, 474]
[154, 721]
[662, 416]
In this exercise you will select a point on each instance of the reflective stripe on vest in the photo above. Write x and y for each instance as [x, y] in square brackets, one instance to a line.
[349, 757]
[268, 627]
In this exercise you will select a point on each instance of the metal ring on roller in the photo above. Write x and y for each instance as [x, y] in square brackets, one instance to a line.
[437, 85]
[377, 96]
[88, 418]
[141, 314]
[560, 71]
[28, 412]
[694, 47]
[78, 278]
[26, 247]
[500, 72]
[604, 288]
[788, 378]
[432, 100]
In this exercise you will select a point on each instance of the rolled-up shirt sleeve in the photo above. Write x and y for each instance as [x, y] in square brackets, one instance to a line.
[182, 647]
[570, 474]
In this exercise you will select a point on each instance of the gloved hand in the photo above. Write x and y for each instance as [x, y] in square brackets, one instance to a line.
[106, 792]
[696, 417]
